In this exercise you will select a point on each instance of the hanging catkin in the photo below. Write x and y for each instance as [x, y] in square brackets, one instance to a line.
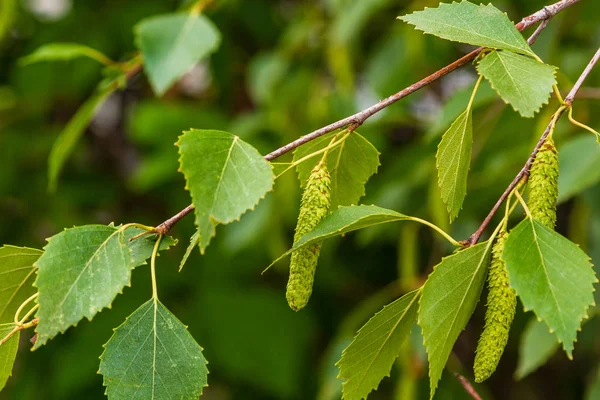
[316, 200]
[543, 184]
[501, 304]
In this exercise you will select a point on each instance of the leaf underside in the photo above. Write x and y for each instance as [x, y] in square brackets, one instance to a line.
[153, 356]
[8, 352]
[536, 347]
[17, 274]
[552, 276]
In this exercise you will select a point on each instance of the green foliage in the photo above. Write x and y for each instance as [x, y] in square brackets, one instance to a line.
[173, 43]
[141, 248]
[376, 346]
[17, 271]
[536, 347]
[194, 241]
[8, 352]
[449, 298]
[552, 276]
[453, 159]
[81, 272]
[153, 356]
[225, 176]
[350, 165]
[521, 81]
[66, 141]
[64, 52]
[462, 22]
[579, 161]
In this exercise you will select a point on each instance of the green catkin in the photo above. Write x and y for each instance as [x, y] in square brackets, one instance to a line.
[316, 200]
[501, 305]
[543, 184]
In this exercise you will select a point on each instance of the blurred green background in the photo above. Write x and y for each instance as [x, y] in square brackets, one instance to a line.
[284, 68]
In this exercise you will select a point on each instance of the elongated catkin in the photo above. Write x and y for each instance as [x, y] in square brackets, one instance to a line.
[501, 305]
[543, 184]
[316, 200]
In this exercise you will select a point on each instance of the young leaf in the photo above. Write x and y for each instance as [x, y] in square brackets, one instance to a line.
[171, 44]
[8, 352]
[64, 52]
[81, 271]
[371, 354]
[536, 347]
[194, 240]
[552, 276]
[449, 298]
[153, 356]
[225, 176]
[479, 25]
[350, 165]
[65, 142]
[16, 278]
[579, 161]
[142, 247]
[522, 82]
[453, 159]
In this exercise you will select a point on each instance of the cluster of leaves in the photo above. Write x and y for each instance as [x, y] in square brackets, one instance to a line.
[152, 355]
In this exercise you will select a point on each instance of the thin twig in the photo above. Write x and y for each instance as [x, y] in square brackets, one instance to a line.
[524, 172]
[354, 121]
[468, 387]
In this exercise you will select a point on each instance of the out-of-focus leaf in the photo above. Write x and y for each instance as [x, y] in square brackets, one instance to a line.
[8, 352]
[453, 160]
[225, 176]
[593, 390]
[350, 165]
[81, 272]
[153, 356]
[536, 347]
[64, 52]
[16, 278]
[552, 276]
[65, 142]
[465, 22]
[522, 82]
[172, 44]
[371, 354]
[579, 162]
[449, 298]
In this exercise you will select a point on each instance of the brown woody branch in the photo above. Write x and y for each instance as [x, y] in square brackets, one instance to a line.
[467, 386]
[354, 121]
[524, 172]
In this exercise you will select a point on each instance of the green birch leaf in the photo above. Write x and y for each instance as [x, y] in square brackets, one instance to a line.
[64, 52]
[194, 240]
[171, 44]
[449, 298]
[465, 22]
[453, 160]
[67, 139]
[347, 219]
[522, 82]
[153, 356]
[552, 276]
[225, 176]
[536, 347]
[8, 352]
[142, 247]
[371, 354]
[593, 390]
[16, 278]
[81, 271]
[350, 165]
[579, 161]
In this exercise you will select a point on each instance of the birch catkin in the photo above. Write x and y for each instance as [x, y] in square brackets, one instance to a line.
[316, 200]
[543, 184]
[501, 305]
